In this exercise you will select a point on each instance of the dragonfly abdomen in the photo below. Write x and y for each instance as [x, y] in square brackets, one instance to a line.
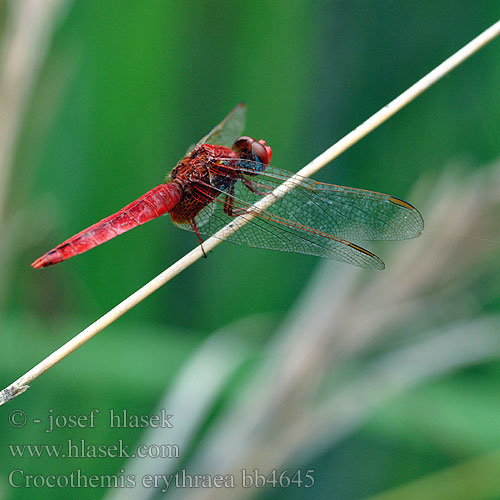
[154, 203]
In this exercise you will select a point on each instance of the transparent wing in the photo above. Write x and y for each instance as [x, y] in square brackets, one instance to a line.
[227, 131]
[314, 218]
[345, 212]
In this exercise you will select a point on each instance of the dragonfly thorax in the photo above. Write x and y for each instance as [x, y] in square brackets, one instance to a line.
[198, 175]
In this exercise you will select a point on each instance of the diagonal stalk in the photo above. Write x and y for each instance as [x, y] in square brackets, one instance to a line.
[21, 384]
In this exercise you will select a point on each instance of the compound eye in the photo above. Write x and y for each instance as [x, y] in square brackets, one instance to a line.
[243, 141]
[260, 152]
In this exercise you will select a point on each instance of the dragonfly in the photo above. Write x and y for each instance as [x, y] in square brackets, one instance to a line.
[225, 174]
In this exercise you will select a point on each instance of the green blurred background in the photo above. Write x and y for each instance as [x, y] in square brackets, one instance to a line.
[124, 88]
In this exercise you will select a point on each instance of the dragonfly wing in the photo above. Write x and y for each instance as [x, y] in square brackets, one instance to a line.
[266, 231]
[273, 232]
[341, 211]
[314, 218]
[228, 130]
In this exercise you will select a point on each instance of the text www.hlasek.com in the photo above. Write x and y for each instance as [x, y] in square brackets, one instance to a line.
[82, 449]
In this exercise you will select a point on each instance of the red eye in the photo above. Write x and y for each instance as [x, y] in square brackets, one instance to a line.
[243, 141]
[260, 152]
[269, 151]
[249, 148]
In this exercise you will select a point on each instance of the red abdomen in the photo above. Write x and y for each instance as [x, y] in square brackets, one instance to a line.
[154, 203]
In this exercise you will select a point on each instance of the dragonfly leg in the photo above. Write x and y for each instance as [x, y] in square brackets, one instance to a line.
[229, 200]
[194, 227]
[229, 205]
[256, 187]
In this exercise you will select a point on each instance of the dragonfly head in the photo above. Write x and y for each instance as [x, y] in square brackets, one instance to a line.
[250, 149]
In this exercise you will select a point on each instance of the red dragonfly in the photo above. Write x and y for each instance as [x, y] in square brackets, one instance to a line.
[220, 179]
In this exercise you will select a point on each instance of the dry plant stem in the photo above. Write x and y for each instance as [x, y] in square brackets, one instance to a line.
[25, 44]
[318, 379]
[25, 41]
[361, 131]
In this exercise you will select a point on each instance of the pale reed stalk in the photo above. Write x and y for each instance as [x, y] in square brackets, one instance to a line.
[21, 384]
[25, 44]
[25, 41]
[350, 344]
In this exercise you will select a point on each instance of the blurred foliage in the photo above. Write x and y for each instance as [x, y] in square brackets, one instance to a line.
[137, 96]
[126, 87]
